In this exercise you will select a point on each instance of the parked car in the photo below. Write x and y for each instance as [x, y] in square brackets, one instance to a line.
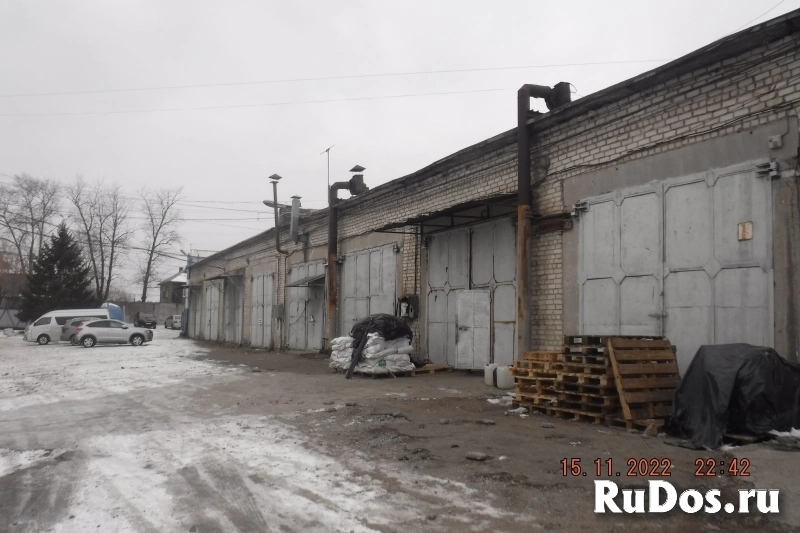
[47, 328]
[144, 320]
[111, 332]
[68, 329]
[173, 322]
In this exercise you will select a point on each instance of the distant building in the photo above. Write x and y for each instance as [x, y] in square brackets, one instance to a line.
[11, 286]
[171, 289]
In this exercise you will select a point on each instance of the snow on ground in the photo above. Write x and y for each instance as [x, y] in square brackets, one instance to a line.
[34, 375]
[254, 473]
[210, 470]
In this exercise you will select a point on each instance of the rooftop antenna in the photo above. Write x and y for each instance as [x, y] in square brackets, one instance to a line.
[328, 151]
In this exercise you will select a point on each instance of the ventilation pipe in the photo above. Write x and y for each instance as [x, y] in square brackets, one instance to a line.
[294, 224]
[356, 186]
[553, 98]
[275, 179]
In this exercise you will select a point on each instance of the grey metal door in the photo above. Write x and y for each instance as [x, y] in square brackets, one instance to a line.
[473, 328]
[479, 257]
[212, 312]
[306, 308]
[261, 298]
[233, 309]
[368, 284]
[718, 275]
[676, 257]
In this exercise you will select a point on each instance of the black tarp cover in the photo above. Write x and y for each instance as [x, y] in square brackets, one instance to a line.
[736, 388]
[389, 326]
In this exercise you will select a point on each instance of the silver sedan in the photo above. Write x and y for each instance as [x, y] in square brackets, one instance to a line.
[111, 332]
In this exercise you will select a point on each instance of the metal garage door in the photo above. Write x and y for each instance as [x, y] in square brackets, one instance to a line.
[261, 298]
[233, 309]
[195, 313]
[689, 257]
[212, 312]
[478, 257]
[368, 284]
[306, 306]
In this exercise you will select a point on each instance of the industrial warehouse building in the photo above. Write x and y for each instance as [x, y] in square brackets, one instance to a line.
[665, 205]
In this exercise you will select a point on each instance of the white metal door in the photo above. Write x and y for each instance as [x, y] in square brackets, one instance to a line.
[306, 308]
[261, 291]
[667, 258]
[473, 328]
[233, 309]
[212, 312]
[718, 283]
[478, 257]
[368, 284]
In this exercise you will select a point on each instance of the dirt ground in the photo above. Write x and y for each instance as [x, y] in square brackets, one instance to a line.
[189, 436]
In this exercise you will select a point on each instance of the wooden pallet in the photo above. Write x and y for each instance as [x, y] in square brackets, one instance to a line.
[646, 376]
[541, 356]
[524, 367]
[598, 359]
[565, 412]
[406, 374]
[431, 369]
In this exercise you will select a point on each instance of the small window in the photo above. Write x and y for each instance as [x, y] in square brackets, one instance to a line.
[42, 321]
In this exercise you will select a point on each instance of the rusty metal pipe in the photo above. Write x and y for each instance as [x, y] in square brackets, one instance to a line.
[333, 247]
[553, 97]
[277, 220]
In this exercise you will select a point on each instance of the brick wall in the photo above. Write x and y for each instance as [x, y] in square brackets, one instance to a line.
[716, 100]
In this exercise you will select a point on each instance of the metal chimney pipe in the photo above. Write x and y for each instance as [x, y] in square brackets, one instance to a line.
[294, 224]
[275, 179]
[553, 97]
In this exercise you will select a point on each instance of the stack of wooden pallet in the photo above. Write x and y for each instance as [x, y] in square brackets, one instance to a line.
[576, 383]
[619, 380]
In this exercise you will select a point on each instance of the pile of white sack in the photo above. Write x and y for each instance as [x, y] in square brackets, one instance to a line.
[379, 356]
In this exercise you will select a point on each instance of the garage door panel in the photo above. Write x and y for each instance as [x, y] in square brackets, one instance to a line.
[375, 262]
[437, 306]
[437, 343]
[437, 261]
[688, 226]
[458, 259]
[505, 303]
[504, 342]
[348, 314]
[600, 304]
[688, 328]
[640, 225]
[742, 324]
[600, 240]
[482, 255]
[741, 287]
[505, 252]
[739, 199]
[362, 274]
[640, 309]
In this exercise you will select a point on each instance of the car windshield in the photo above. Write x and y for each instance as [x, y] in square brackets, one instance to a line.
[144, 316]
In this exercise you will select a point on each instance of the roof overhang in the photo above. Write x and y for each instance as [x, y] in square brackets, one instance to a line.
[319, 279]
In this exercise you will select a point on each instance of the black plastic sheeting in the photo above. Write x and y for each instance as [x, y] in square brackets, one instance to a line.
[736, 388]
[389, 326]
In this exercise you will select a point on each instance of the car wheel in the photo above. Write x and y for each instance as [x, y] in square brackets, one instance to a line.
[137, 340]
[43, 339]
[73, 340]
[88, 342]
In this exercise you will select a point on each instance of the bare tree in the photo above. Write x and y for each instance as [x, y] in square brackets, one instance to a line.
[27, 207]
[161, 220]
[102, 213]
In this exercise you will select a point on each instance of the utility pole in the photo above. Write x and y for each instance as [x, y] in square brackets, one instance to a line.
[328, 151]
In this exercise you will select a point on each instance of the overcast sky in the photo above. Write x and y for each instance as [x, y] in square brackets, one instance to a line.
[226, 154]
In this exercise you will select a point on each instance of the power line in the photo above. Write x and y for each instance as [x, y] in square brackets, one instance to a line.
[328, 78]
[758, 17]
[240, 106]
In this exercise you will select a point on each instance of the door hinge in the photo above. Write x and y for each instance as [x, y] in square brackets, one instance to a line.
[769, 169]
[578, 208]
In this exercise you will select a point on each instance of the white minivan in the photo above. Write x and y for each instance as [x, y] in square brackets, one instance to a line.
[47, 328]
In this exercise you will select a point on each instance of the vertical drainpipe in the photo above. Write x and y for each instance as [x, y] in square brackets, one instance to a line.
[553, 97]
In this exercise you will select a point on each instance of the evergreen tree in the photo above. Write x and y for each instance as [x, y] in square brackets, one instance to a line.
[59, 279]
